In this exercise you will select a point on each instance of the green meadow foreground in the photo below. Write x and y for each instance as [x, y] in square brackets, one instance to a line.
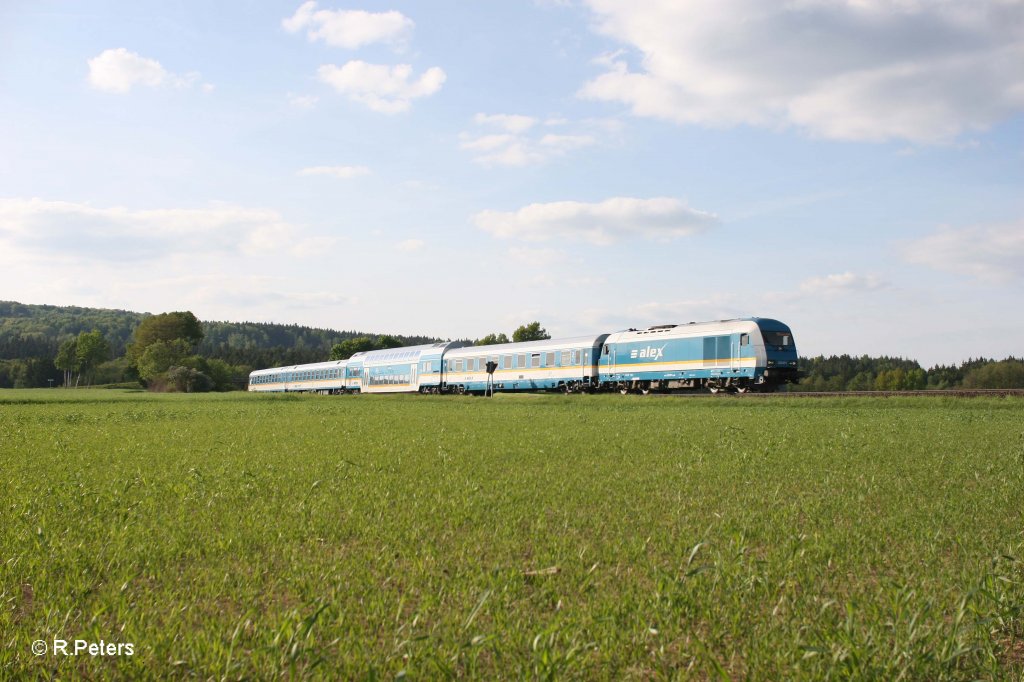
[607, 537]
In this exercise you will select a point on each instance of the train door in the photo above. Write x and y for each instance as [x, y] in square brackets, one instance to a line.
[734, 352]
[413, 371]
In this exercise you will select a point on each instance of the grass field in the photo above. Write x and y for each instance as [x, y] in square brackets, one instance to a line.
[596, 537]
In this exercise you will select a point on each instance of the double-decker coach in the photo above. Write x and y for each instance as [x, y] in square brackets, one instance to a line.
[411, 369]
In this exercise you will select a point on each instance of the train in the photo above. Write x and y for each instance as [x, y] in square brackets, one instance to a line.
[739, 355]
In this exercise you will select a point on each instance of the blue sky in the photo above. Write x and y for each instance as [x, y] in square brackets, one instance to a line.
[852, 167]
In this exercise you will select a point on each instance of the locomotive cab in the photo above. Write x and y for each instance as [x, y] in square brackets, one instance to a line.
[780, 352]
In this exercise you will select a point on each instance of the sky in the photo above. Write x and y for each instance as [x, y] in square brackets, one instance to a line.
[854, 168]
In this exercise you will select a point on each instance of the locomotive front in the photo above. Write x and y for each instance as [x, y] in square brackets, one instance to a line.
[780, 351]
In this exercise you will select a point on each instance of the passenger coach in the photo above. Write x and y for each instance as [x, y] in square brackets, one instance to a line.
[555, 364]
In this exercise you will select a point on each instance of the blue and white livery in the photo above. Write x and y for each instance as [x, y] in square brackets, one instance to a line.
[734, 355]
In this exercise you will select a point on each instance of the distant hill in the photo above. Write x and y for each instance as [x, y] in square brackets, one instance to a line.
[36, 331]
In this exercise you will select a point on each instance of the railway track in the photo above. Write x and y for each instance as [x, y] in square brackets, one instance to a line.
[950, 393]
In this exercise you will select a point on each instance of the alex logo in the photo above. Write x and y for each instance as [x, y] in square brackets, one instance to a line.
[649, 353]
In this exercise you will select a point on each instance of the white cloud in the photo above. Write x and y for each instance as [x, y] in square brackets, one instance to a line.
[350, 29]
[77, 231]
[993, 253]
[410, 245]
[513, 123]
[536, 258]
[382, 88]
[598, 223]
[487, 143]
[566, 142]
[339, 172]
[302, 101]
[845, 282]
[843, 69]
[118, 71]
[514, 146]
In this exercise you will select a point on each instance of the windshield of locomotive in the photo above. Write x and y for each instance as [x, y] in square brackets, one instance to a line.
[783, 340]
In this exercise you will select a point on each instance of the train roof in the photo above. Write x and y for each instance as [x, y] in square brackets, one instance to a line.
[589, 341]
[302, 368]
[403, 353]
[700, 328]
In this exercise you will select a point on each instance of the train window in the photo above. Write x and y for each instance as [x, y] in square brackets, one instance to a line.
[549, 360]
[535, 360]
[744, 339]
[606, 350]
[458, 365]
[566, 358]
[521, 361]
[777, 338]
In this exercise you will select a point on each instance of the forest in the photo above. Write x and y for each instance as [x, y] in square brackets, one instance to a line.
[31, 338]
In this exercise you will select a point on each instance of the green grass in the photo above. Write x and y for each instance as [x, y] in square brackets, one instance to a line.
[596, 537]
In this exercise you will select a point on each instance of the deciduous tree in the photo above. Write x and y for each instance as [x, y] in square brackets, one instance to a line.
[491, 340]
[67, 359]
[164, 327]
[530, 332]
[349, 347]
[92, 349]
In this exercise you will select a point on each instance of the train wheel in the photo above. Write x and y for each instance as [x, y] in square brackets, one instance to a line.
[624, 390]
[742, 389]
[714, 389]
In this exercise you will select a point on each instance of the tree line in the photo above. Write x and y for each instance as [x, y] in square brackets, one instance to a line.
[864, 373]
